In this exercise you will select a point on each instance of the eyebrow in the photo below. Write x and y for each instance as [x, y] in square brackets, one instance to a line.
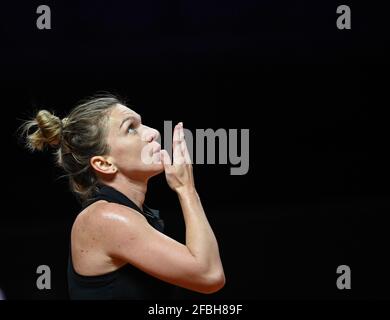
[124, 120]
[129, 118]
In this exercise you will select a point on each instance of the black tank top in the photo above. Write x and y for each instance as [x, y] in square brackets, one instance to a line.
[128, 282]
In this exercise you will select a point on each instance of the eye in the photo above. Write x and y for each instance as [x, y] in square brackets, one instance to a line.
[131, 129]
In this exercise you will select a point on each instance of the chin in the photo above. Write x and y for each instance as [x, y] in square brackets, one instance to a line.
[155, 169]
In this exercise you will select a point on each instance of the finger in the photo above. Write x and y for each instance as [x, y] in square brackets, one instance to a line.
[181, 131]
[165, 158]
[186, 154]
[177, 148]
[184, 150]
[176, 136]
[178, 155]
[181, 138]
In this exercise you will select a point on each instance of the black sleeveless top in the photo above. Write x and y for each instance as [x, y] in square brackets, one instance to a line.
[128, 282]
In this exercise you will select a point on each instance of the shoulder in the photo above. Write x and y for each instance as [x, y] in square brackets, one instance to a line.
[107, 216]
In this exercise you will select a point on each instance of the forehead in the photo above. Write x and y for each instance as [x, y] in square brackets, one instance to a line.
[121, 112]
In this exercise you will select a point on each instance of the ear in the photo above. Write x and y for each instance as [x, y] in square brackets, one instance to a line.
[103, 165]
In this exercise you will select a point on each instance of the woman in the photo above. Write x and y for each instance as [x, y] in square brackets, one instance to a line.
[118, 247]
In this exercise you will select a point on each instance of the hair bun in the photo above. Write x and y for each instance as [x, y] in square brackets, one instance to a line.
[48, 133]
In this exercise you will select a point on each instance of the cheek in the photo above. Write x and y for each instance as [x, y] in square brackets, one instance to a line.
[127, 152]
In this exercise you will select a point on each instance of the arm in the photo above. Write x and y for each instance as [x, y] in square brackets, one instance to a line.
[128, 236]
[200, 238]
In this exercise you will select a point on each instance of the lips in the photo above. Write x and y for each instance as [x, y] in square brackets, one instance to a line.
[156, 153]
[155, 148]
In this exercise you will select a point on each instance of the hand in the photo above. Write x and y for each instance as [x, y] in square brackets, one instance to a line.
[179, 175]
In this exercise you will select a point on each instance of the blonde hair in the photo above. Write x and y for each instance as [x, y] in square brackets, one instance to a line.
[77, 138]
[48, 133]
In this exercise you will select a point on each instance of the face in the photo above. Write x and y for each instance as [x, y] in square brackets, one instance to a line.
[134, 151]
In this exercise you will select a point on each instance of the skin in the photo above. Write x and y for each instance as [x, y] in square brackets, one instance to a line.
[105, 236]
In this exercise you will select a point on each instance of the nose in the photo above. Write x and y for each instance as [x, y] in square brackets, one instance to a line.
[150, 134]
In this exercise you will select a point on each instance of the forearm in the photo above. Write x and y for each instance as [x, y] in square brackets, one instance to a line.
[200, 238]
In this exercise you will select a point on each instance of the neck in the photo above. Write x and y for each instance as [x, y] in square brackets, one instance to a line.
[133, 189]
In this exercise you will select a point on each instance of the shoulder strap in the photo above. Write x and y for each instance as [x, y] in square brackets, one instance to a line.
[112, 195]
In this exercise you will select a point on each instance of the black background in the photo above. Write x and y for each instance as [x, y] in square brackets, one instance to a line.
[314, 98]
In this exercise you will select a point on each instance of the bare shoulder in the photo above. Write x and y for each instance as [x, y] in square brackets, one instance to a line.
[104, 217]
[118, 233]
[96, 230]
